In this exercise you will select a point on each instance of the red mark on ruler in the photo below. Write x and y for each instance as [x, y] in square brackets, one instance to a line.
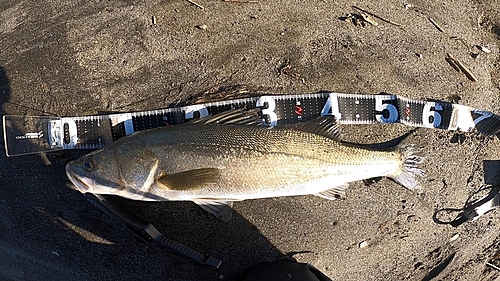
[407, 111]
[298, 110]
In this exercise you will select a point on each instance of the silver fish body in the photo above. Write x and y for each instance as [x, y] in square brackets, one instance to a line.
[208, 163]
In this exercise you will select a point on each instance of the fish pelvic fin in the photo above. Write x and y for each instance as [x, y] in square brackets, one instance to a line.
[334, 193]
[411, 175]
[190, 180]
[219, 209]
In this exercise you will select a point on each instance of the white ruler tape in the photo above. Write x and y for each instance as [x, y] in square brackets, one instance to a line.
[33, 134]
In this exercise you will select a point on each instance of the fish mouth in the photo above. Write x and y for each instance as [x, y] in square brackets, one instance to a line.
[81, 183]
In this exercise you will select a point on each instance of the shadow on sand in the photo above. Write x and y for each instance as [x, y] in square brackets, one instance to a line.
[49, 232]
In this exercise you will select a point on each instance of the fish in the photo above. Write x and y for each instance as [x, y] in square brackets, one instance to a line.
[228, 157]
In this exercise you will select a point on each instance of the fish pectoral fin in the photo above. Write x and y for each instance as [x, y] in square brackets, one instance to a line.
[190, 180]
[334, 193]
[220, 209]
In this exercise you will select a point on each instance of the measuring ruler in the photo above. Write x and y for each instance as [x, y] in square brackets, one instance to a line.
[34, 134]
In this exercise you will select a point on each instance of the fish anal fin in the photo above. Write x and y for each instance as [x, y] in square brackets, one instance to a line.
[326, 126]
[190, 180]
[219, 209]
[334, 193]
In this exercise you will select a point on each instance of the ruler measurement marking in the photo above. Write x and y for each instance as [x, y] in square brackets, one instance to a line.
[97, 131]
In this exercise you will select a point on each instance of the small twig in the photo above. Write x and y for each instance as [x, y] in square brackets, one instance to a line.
[379, 17]
[196, 4]
[435, 24]
[494, 266]
[453, 64]
[368, 19]
[462, 67]
[284, 67]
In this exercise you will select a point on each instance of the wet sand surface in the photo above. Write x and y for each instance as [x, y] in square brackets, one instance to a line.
[74, 58]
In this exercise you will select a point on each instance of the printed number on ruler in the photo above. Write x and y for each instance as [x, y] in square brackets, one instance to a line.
[191, 109]
[484, 115]
[269, 105]
[332, 104]
[69, 132]
[387, 112]
[431, 118]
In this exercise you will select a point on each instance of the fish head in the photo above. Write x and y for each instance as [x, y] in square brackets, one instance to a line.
[89, 174]
[127, 171]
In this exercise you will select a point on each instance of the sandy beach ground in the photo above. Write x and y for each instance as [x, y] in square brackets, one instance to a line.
[73, 58]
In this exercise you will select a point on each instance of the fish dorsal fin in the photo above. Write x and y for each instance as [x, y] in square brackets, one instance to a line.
[334, 193]
[220, 209]
[242, 117]
[190, 180]
[325, 126]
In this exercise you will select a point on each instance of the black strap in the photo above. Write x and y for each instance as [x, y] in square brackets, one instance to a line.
[147, 232]
[473, 210]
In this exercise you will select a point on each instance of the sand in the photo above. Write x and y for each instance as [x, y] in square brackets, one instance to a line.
[71, 58]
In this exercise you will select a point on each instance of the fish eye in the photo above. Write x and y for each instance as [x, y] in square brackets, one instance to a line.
[88, 163]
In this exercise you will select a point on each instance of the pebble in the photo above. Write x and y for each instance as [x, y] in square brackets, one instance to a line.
[484, 49]
[202, 27]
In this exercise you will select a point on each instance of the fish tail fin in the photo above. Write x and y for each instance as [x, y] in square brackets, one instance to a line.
[411, 175]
